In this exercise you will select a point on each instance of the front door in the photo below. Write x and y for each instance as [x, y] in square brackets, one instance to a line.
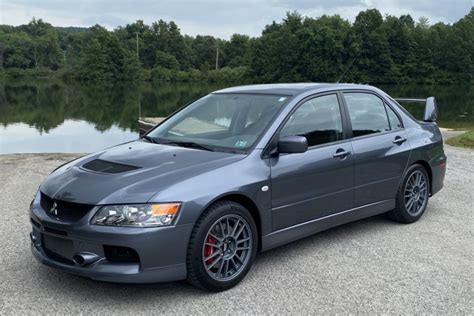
[320, 181]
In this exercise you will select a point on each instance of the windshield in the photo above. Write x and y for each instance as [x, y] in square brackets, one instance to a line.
[221, 121]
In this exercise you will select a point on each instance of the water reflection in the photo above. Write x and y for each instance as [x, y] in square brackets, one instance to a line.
[47, 116]
[71, 136]
[455, 102]
[59, 117]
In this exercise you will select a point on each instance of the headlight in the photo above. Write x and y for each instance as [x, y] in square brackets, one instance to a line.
[137, 215]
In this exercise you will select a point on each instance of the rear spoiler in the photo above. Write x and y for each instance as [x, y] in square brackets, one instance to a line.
[431, 111]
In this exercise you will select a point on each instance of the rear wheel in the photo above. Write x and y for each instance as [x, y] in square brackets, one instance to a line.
[412, 196]
[222, 247]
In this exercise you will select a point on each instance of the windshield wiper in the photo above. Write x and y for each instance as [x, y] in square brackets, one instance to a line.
[189, 145]
[178, 143]
[150, 139]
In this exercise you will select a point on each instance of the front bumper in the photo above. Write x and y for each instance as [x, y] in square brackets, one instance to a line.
[161, 250]
[103, 271]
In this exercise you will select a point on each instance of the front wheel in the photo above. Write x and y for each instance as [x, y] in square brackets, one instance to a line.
[222, 247]
[412, 196]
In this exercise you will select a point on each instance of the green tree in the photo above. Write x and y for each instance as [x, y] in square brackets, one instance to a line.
[373, 60]
[46, 51]
[325, 38]
[399, 33]
[103, 58]
[377, 49]
[17, 50]
[236, 52]
[204, 48]
[166, 60]
[277, 52]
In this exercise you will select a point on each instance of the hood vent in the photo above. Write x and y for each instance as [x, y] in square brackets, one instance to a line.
[99, 165]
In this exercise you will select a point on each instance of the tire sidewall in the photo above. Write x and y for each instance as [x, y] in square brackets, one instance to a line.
[214, 213]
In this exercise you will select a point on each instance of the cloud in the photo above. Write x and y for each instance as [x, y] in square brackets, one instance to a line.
[218, 18]
[436, 11]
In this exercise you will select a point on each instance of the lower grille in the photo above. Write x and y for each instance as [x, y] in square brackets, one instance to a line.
[120, 254]
[58, 249]
[55, 231]
[61, 210]
[56, 257]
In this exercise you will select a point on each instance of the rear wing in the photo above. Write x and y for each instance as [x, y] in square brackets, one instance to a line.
[431, 111]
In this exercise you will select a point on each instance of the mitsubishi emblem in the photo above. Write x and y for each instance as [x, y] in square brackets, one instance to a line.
[54, 209]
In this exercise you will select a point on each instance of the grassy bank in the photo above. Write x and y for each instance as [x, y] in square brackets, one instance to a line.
[465, 140]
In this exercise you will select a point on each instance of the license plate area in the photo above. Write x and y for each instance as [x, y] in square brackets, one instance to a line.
[58, 249]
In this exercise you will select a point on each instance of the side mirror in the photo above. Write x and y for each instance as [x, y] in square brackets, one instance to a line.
[292, 145]
[431, 111]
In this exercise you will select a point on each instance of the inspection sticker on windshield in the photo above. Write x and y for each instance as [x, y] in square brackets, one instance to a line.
[241, 143]
[281, 99]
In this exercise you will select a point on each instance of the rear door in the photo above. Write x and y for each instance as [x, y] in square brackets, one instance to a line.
[379, 144]
[318, 182]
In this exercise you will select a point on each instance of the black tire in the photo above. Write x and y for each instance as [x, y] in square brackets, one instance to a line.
[209, 225]
[404, 211]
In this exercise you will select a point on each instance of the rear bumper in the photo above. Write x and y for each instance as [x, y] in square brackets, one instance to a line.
[438, 169]
[161, 251]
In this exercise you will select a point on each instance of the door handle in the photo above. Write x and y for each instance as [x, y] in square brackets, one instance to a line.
[341, 153]
[399, 140]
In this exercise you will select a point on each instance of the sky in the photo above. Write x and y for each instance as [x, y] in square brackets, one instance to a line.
[212, 17]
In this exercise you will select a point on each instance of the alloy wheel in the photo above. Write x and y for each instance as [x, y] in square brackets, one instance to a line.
[416, 193]
[227, 247]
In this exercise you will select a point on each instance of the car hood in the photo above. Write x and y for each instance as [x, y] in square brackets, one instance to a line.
[134, 173]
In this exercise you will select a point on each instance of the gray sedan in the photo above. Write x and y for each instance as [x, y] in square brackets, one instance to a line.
[237, 172]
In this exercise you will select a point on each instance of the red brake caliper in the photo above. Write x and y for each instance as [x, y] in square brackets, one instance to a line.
[209, 250]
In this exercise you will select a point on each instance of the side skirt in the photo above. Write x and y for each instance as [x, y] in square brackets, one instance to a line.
[292, 233]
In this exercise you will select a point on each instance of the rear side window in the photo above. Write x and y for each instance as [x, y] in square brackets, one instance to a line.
[395, 123]
[318, 119]
[367, 113]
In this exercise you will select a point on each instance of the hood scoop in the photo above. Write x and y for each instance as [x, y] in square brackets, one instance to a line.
[104, 166]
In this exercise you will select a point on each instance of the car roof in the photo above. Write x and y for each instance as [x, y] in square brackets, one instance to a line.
[291, 88]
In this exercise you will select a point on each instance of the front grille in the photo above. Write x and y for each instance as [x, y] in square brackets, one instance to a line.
[65, 211]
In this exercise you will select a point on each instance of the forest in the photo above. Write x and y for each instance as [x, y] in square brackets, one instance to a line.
[372, 49]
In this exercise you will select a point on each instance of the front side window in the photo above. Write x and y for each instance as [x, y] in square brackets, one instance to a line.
[221, 121]
[318, 119]
[367, 113]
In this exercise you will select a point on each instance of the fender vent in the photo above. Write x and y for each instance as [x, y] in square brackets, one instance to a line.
[99, 165]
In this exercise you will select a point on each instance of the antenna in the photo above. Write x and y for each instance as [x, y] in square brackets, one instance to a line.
[347, 68]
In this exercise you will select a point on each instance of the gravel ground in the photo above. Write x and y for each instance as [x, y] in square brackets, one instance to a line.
[370, 266]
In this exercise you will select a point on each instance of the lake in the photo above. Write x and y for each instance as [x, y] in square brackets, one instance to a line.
[48, 116]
